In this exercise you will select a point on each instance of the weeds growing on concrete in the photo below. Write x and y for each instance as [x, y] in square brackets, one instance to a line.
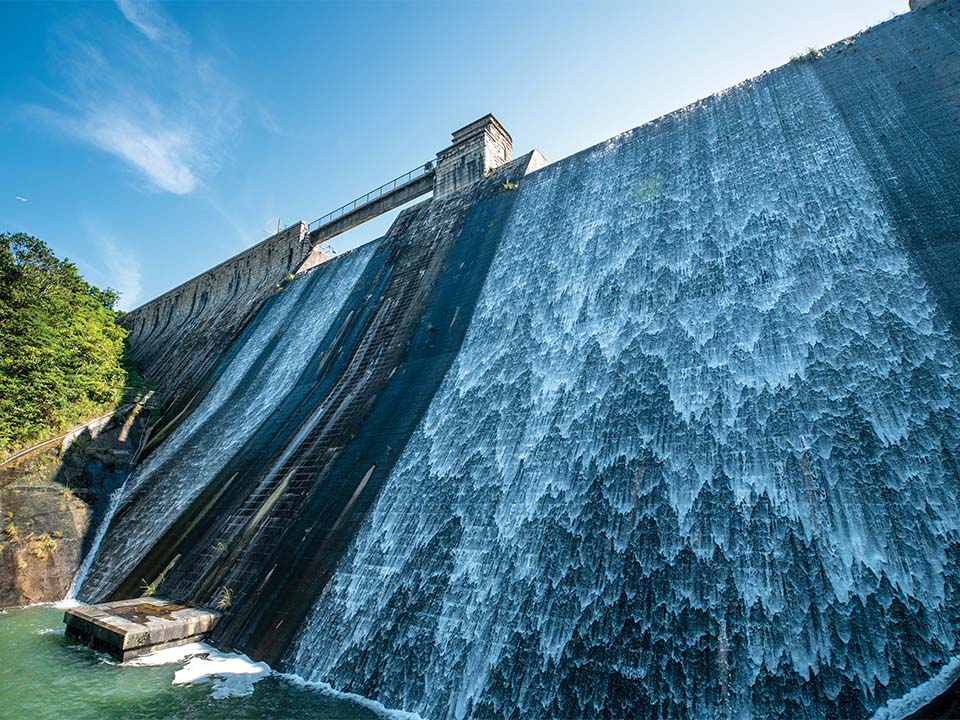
[42, 545]
[812, 53]
[150, 589]
[224, 598]
[10, 529]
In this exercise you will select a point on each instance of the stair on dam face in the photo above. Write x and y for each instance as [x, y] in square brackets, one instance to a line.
[129, 629]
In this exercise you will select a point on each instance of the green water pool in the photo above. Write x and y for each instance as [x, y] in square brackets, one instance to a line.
[44, 674]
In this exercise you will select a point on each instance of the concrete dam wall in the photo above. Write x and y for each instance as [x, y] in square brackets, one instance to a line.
[665, 429]
[177, 338]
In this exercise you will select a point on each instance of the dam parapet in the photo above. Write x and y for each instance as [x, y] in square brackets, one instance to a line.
[177, 338]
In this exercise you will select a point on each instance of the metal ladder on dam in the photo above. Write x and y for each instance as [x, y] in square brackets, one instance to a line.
[388, 196]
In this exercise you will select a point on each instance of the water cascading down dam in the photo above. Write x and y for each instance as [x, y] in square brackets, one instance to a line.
[667, 428]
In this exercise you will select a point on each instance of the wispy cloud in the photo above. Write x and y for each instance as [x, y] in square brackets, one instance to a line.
[123, 270]
[148, 19]
[114, 265]
[162, 108]
[166, 155]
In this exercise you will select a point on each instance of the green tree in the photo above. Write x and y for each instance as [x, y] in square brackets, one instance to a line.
[61, 350]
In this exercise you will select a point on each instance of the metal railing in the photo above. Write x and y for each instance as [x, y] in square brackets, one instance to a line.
[384, 189]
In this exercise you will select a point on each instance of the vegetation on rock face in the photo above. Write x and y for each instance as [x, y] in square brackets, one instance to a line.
[61, 350]
[224, 598]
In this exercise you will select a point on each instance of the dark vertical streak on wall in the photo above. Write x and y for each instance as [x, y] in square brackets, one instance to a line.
[897, 89]
[333, 511]
[333, 486]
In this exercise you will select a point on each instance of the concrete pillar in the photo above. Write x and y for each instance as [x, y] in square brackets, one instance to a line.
[477, 148]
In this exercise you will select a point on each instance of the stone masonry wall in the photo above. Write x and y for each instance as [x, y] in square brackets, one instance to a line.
[176, 338]
[477, 149]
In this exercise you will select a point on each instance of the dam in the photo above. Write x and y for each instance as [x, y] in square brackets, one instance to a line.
[667, 428]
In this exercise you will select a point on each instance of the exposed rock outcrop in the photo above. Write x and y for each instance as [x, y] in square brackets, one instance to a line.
[51, 503]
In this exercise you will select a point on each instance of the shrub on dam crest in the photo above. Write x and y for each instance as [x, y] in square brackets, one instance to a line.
[61, 350]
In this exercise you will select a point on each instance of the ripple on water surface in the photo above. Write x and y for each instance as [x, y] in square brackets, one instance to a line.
[43, 674]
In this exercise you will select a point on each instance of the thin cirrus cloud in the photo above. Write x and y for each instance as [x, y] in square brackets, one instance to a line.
[109, 264]
[159, 106]
[148, 20]
[123, 271]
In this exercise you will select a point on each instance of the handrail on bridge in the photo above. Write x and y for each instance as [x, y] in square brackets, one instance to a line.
[414, 174]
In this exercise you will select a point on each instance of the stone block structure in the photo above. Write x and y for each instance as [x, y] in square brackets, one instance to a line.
[477, 148]
[176, 338]
[128, 629]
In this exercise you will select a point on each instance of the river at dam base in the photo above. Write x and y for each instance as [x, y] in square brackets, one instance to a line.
[47, 675]
[44, 674]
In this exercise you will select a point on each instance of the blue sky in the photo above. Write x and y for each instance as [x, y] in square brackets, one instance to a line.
[148, 142]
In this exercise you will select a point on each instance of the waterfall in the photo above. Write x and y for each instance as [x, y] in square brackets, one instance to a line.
[665, 429]
[259, 371]
[84, 569]
[695, 457]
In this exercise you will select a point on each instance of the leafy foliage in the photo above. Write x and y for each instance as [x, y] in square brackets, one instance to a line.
[61, 350]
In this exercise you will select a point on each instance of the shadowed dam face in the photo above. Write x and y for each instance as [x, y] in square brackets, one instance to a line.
[261, 368]
[261, 487]
[668, 431]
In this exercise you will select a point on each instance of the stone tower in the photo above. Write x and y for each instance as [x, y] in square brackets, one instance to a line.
[477, 148]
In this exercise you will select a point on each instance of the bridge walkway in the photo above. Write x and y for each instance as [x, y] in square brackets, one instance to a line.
[388, 196]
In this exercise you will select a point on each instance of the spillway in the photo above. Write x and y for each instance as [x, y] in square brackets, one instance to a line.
[665, 429]
[696, 455]
[260, 369]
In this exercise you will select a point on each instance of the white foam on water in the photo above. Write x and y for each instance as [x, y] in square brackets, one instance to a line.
[921, 694]
[328, 689]
[170, 655]
[15, 608]
[232, 674]
[50, 631]
[235, 674]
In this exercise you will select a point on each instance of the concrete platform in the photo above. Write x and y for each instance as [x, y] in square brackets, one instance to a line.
[130, 628]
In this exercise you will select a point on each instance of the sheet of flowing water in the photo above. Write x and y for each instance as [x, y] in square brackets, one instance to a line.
[46, 676]
[262, 369]
[694, 459]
